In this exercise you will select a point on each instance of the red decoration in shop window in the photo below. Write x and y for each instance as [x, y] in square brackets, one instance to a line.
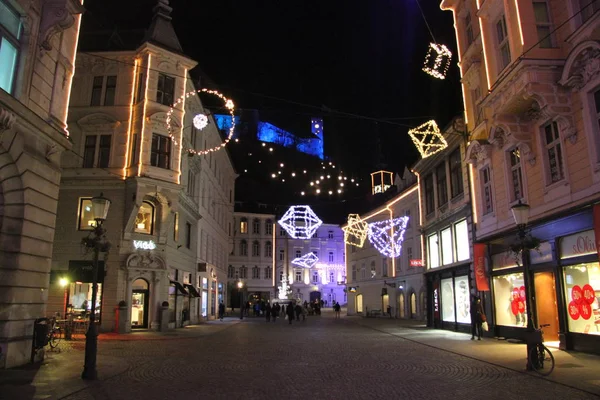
[522, 293]
[577, 294]
[515, 293]
[585, 310]
[521, 305]
[514, 306]
[574, 310]
[588, 293]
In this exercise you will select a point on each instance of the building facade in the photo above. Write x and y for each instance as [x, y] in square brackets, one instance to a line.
[376, 281]
[38, 45]
[171, 210]
[531, 82]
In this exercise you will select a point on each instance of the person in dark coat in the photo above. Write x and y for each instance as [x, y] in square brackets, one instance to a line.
[477, 317]
[221, 311]
[268, 312]
[290, 312]
[298, 310]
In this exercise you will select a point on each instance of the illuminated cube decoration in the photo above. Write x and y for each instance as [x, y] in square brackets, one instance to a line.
[437, 60]
[306, 261]
[300, 222]
[428, 139]
[381, 181]
[355, 232]
[387, 236]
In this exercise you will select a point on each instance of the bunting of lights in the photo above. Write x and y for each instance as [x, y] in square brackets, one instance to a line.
[228, 105]
[306, 261]
[428, 139]
[387, 236]
[355, 231]
[437, 60]
[300, 222]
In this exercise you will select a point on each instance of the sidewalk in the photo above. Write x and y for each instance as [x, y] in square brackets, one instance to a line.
[573, 369]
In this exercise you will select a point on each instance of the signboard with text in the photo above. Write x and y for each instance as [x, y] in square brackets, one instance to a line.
[417, 262]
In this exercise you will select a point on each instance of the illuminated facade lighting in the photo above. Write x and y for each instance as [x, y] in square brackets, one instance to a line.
[519, 21]
[69, 80]
[300, 222]
[134, 85]
[144, 116]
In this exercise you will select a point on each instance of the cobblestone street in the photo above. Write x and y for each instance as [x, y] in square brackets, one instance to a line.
[323, 358]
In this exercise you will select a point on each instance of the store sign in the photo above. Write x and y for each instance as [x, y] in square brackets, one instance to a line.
[542, 254]
[481, 277]
[580, 244]
[144, 245]
[417, 262]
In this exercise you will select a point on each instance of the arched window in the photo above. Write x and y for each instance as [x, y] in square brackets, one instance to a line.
[243, 272]
[256, 226]
[331, 277]
[413, 305]
[373, 270]
[255, 272]
[243, 248]
[315, 277]
[268, 227]
[144, 221]
[268, 273]
[255, 249]
[230, 271]
[268, 249]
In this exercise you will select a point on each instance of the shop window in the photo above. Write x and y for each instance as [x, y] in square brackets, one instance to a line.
[269, 227]
[10, 34]
[516, 175]
[243, 248]
[268, 249]
[442, 185]
[554, 157]
[503, 45]
[256, 226]
[103, 90]
[255, 249]
[582, 294]
[160, 155]
[447, 300]
[510, 300]
[462, 299]
[433, 255]
[165, 89]
[298, 276]
[86, 220]
[543, 24]
[456, 177]
[243, 225]
[413, 305]
[447, 248]
[96, 151]
[485, 175]
[461, 238]
[144, 222]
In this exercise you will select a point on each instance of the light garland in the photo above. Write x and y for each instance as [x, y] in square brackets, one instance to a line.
[355, 232]
[428, 139]
[437, 60]
[306, 261]
[387, 236]
[228, 104]
[200, 121]
[300, 222]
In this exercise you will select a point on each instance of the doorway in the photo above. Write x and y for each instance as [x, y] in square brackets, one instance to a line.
[413, 305]
[385, 302]
[546, 307]
[139, 304]
[401, 311]
[315, 296]
[359, 303]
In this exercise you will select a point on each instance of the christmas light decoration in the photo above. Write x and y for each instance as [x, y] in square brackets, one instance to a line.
[228, 104]
[387, 236]
[428, 139]
[355, 231]
[306, 261]
[284, 290]
[300, 222]
[200, 121]
[437, 60]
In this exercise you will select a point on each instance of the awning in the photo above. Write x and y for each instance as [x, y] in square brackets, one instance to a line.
[192, 290]
[180, 288]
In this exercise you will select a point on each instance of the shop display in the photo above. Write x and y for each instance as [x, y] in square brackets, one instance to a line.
[582, 300]
[447, 300]
[463, 304]
[511, 300]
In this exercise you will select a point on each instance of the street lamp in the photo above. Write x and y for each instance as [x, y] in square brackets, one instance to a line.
[240, 285]
[520, 213]
[97, 243]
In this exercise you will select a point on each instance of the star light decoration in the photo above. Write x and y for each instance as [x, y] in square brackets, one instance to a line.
[200, 121]
[428, 139]
[437, 60]
[306, 261]
[355, 231]
[300, 222]
[387, 236]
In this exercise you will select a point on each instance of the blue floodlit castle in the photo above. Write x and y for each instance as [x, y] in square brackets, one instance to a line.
[269, 133]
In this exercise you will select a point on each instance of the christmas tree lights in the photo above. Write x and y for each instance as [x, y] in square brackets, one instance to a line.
[300, 222]
[306, 261]
[355, 231]
[428, 139]
[437, 60]
[387, 236]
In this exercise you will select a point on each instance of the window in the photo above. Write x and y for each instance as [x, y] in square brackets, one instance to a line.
[138, 90]
[461, 238]
[144, 222]
[243, 225]
[511, 302]
[442, 188]
[542, 23]
[86, 218]
[407, 214]
[447, 248]
[243, 248]
[486, 189]
[384, 267]
[282, 232]
[433, 254]
[469, 29]
[103, 90]
[255, 249]
[409, 254]
[456, 178]
[503, 46]
[268, 273]
[96, 151]
[299, 276]
[281, 276]
[516, 174]
[268, 249]
[255, 272]
[298, 253]
[330, 234]
[363, 272]
[588, 8]
[10, 34]
[353, 273]
[243, 272]
[165, 90]
[553, 152]
[316, 253]
[331, 256]
[281, 255]
[160, 155]
[268, 227]
[315, 277]
[429, 200]
[191, 186]
[256, 226]
[230, 271]
[176, 227]
[331, 277]
[188, 235]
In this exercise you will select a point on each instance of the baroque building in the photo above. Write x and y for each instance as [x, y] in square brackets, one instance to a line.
[38, 46]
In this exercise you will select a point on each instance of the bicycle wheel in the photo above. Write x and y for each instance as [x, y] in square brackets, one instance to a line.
[541, 360]
[54, 338]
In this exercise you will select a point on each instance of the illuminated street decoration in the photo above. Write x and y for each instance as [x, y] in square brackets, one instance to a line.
[387, 236]
[284, 289]
[437, 60]
[228, 105]
[200, 121]
[300, 222]
[428, 139]
[355, 232]
[381, 181]
[306, 261]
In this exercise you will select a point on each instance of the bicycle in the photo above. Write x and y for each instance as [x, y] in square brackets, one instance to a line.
[54, 333]
[540, 358]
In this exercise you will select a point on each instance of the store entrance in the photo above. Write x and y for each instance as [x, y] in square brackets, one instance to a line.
[546, 307]
[359, 303]
[139, 304]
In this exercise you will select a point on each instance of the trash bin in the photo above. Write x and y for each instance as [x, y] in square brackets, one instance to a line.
[40, 333]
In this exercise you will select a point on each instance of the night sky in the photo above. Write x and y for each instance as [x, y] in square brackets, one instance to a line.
[356, 63]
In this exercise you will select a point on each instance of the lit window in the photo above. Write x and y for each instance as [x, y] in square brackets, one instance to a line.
[243, 225]
[516, 174]
[86, 217]
[103, 90]
[160, 155]
[96, 152]
[10, 34]
[447, 252]
[542, 23]
[503, 45]
[433, 251]
[461, 238]
[176, 227]
[144, 222]
[553, 152]
[486, 189]
[165, 90]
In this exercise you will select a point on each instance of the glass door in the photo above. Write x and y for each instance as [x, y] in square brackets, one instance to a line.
[545, 302]
[139, 304]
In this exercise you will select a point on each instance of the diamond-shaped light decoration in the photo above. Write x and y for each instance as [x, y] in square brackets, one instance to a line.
[387, 236]
[428, 139]
[355, 232]
[300, 222]
[306, 261]
[437, 60]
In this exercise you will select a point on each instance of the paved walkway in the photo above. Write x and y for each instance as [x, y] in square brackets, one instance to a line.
[350, 358]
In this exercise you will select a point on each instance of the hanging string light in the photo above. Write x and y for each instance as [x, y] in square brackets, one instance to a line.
[428, 139]
[387, 236]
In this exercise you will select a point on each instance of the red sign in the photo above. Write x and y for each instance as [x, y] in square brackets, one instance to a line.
[585, 310]
[577, 294]
[588, 293]
[481, 278]
[418, 262]
[574, 310]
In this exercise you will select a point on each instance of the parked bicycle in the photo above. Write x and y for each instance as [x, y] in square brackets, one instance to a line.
[54, 333]
[540, 358]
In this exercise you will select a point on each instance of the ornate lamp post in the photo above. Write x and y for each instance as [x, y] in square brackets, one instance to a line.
[240, 285]
[97, 243]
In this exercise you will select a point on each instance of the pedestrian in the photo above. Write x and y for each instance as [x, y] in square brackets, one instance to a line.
[298, 310]
[275, 311]
[268, 312]
[337, 309]
[290, 312]
[221, 310]
[283, 309]
[389, 310]
[477, 317]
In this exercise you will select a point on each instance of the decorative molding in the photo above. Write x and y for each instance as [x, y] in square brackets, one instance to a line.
[98, 122]
[57, 15]
[500, 137]
[145, 260]
[582, 66]
[567, 129]
[536, 113]
[7, 120]
[478, 152]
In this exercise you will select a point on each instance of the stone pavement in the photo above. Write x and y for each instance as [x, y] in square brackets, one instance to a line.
[350, 358]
